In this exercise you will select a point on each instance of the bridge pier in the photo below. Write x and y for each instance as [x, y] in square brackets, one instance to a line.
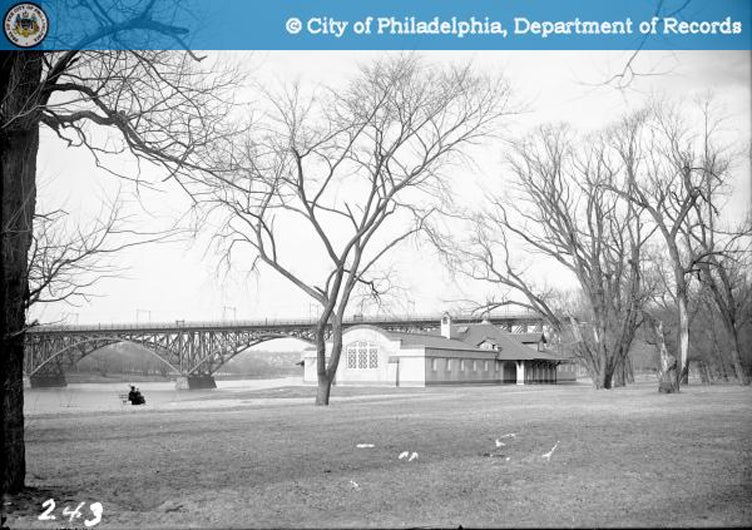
[195, 382]
[47, 381]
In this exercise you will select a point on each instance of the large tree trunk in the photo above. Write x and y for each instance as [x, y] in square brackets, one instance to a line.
[20, 74]
[629, 368]
[323, 391]
[605, 376]
[324, 381]
[595, 360]
[624, 372]
[683, 339]
[741, 375]
[620, 374]
[667, 374]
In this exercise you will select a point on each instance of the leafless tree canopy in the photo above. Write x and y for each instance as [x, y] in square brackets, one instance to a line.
[618, 210]
[168, 110]
[66, 259]
[560, 209]
[678, 169]
[356, 170]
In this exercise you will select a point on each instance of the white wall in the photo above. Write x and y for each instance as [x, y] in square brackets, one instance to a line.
[384, 374]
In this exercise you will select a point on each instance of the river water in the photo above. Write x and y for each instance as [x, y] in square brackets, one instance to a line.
[91, 397]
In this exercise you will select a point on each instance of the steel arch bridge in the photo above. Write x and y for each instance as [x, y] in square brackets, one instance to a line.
[195, 350]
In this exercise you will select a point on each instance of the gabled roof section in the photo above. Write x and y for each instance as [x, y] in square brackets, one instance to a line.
[469, 337]
[420, 339]
[510, 347]
[432, 341]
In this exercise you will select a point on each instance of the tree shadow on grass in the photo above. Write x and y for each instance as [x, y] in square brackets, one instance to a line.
[28, 502]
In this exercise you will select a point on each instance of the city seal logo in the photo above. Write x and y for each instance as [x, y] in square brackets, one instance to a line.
[25, 25]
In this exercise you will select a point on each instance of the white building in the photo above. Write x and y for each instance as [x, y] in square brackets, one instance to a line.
[459, 354]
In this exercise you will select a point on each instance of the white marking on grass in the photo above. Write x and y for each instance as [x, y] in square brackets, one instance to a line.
[354, 484]
[404, 454]
[364, 446]
[499, 443]
[547, 456]
[412, 456]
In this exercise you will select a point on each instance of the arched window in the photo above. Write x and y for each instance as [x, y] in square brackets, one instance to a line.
[362, 355]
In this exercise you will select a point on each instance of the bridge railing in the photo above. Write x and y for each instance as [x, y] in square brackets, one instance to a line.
[279, 322]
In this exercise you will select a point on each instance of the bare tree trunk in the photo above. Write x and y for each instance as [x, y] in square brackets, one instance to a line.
[323, 391]
[324, 381]
[623, 370]
[741, 375]
[620, 375]
[629, 366]
[683, 366]
[668, 381]
[605, 377]
[20, 74]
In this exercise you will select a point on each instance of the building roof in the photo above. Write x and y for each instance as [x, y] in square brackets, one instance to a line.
[431, 341]
[529, 338]
[418, 339]
[510, 345]
[469, 337]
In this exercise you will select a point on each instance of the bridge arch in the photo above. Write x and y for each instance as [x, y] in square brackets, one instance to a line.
[77, 350]
[219, 359]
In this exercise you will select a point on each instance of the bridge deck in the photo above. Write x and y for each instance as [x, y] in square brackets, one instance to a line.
[236, 325]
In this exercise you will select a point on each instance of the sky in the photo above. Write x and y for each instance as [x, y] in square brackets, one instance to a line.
[182, 280]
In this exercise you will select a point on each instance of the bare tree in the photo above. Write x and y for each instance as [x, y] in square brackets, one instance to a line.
[346, 176]
[66, 260]
[724, 275]
[669, 165]
[561, 210]
[165, 111]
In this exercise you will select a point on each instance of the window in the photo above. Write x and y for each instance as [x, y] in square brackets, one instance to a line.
[485, 366]
[475, 366]
[462, 365]
[449, 365]
[434, 364]
[362, 356]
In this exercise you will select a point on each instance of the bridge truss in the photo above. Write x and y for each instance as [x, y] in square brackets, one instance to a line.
[196, 350]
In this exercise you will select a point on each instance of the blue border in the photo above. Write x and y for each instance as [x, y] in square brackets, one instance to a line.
[252, 24]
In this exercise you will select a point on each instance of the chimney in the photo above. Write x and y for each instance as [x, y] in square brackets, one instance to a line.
[446, 326]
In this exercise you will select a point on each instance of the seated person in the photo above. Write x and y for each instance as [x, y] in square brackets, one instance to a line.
[135, 397]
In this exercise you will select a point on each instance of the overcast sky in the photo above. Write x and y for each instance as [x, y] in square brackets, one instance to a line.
[178, 281]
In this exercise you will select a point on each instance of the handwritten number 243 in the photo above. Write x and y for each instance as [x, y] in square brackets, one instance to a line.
[95, 507]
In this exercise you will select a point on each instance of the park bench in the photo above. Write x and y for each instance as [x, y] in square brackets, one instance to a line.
[123, 399]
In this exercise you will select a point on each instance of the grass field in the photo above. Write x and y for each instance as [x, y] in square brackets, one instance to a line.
[628, 457]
